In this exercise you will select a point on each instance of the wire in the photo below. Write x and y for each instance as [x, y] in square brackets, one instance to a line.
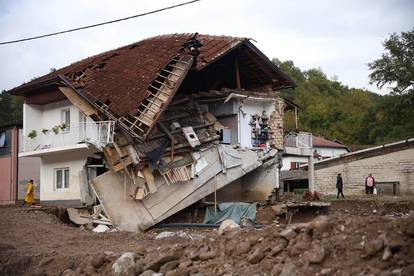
[99, 24]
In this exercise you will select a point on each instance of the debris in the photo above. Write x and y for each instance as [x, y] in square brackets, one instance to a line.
[101, 228]
[289, 269]
[256, 256]
[387, 254]
[180, 234]
[316, 255]
[373, 246]
[203, 256]
[321, 224]
[155, 265]
[125, 265]
[288, 233]
[227, 225]
[191, 136]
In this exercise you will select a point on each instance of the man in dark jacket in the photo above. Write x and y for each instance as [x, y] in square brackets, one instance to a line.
[339, 185]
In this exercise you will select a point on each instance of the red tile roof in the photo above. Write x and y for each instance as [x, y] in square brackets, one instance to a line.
[323, 143]
[120, 77]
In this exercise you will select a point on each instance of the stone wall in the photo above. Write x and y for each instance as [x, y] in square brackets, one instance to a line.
[276, 125]
[392, 166]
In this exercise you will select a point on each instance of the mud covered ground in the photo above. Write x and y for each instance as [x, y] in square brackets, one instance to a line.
[358, 237]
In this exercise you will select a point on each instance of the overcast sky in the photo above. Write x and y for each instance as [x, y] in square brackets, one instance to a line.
[340, 37]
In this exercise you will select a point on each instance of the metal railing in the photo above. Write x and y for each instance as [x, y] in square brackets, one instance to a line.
[97, 133]
[299, 140]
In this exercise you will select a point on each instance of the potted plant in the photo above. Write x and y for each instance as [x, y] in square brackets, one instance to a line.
[55, 129]
[32, 134]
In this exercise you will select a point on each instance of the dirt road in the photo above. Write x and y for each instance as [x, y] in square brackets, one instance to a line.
[352, 240]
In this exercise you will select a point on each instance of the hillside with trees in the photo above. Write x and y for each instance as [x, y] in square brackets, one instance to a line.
[356, 116]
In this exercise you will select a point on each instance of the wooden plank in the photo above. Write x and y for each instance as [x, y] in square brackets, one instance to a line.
[78, 101]
[149, 178]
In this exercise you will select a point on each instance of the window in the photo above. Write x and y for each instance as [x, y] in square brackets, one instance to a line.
[62, 178]
[2, 139]
[66, 119]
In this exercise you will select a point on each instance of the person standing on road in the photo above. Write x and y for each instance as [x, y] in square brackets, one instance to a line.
[29, 199]
[339, 185]
[369, 184]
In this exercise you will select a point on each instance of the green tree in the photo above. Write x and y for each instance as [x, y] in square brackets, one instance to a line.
[396, 65]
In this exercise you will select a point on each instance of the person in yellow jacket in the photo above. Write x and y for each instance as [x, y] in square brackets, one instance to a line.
[29, 199]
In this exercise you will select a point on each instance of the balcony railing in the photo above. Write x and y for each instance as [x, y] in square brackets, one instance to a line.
[96, 133]
[299, 140]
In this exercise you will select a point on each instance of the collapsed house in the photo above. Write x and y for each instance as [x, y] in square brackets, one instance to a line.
[150, 128]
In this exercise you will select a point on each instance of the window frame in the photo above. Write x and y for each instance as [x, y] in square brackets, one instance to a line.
[65, 183]
[64, 118]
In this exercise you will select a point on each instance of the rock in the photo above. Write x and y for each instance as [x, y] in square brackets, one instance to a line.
[387, 254]
[246, 222]
[157, 263]
[410, 228]
[288, 233]
[125, 265]
[168, 266]
[165, 234]
[321, 224]
[373, 246]
[326, 271]
[299, 247]
[46, 261]
[147, 273]
[203, 256]
[101, 228]
[316, 255]
[408, 270]
[242, 248]
[305, 226]
[228, 225]
[279, 247]
[289, 269]
[98, 260]
[185, 264]
[256, 256]
[68, 272]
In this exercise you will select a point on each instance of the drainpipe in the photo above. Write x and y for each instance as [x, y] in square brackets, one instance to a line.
[17, 164]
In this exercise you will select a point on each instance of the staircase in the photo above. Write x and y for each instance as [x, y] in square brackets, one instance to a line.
[159, 93]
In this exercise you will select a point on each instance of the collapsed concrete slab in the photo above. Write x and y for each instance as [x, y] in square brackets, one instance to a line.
[129, 214]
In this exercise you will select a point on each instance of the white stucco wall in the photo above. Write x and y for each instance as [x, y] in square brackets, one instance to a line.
[75, 161]
[38, 117]
[246, 109]
[288, 159]
[330, 152]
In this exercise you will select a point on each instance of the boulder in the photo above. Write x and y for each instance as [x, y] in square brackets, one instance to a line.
[288, 233]
[168, 266]
[256, 256]
[316, 255]
[228, 225]
[68, 272]
[203, 256]
[289, 269]
[98, 260]
[125, 265]
[242, 248]
[321, 224]
[157, 263]
[147, 273]
[372, 247]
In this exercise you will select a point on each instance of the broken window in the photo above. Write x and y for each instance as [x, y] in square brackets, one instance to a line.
[62, 178]
[259, 124]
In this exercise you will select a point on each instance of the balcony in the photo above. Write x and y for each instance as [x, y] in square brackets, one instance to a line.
[98, 134]
[299, 143]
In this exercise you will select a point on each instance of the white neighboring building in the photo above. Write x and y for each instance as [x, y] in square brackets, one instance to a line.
[322, 149]
[64, 138]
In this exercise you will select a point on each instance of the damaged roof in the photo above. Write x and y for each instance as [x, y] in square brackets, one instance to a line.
[119, 78]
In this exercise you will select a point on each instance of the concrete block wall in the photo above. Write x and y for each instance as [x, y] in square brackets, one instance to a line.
[394, 166]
